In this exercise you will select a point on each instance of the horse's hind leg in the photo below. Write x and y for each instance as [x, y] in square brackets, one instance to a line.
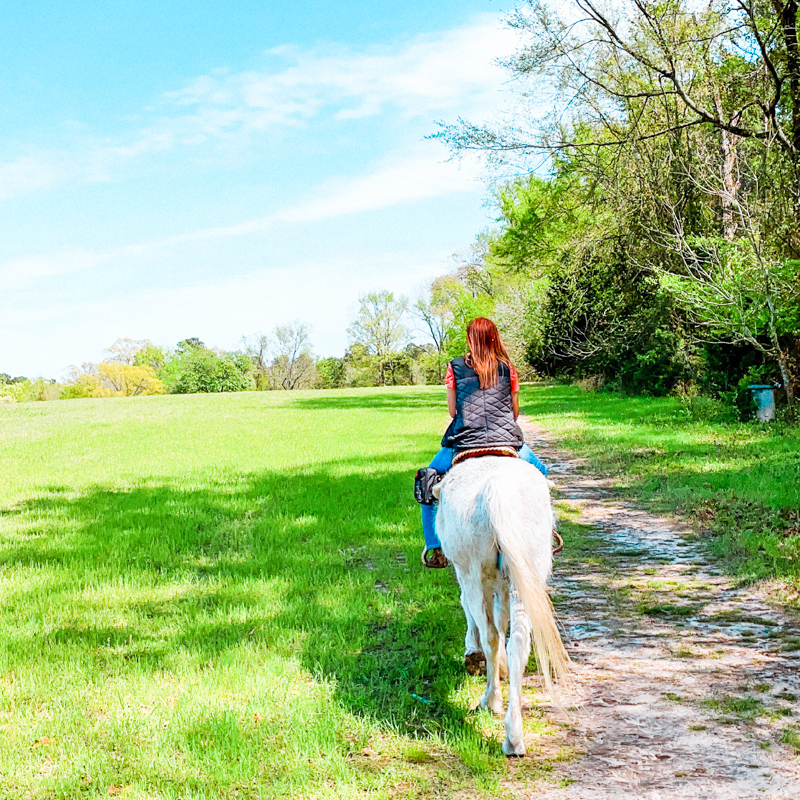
[477, 599]
[501, 622]
[519, 648]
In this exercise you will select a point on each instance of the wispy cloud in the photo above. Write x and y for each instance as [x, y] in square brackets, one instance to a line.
[426, 78]
[20, 273]
[430, 74]
[399, 179]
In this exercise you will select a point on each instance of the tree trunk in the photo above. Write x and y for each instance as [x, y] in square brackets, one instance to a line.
[730, 178]
[783, 363]
[787, 378]
[787, 13]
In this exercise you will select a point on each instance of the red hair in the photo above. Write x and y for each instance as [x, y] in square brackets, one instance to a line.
[486, 350]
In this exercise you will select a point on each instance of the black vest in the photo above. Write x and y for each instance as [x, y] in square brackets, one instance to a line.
[484, 417]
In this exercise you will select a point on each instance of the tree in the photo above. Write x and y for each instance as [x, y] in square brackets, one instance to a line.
[125, 350]
[112, 379]
[379, 327]
[737, 293]
[258, 347]
[293, 365]
[150, 356]
[680, 125]
[195, 368]
[331, 373]
[436, 313]
[193, 343]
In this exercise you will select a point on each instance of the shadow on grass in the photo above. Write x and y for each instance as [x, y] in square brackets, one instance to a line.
[322, 566]
[375, 401]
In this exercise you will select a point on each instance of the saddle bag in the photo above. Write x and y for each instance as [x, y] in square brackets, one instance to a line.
[424, 481]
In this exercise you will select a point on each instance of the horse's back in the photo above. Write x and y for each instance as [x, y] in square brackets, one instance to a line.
[481, 494]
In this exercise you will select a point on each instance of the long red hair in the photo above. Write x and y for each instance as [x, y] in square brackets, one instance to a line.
[486, 350]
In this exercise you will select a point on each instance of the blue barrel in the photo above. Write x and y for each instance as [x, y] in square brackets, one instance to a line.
[764, 398]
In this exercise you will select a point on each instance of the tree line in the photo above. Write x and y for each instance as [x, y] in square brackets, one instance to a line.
[649, 243]
[383, 351]
[660, 252]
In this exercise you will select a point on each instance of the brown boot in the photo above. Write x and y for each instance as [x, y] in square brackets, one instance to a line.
[475, 663]
[434, 558]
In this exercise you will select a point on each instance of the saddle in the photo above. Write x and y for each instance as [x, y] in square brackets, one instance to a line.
[426, 481]
[479, 452]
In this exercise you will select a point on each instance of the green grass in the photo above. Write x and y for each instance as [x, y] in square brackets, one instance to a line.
[220, 596]
[741, 482]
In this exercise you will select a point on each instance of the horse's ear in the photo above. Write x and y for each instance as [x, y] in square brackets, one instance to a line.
[436, 491]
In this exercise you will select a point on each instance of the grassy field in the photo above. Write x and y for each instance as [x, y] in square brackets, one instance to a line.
[741, 482]
[220, 596]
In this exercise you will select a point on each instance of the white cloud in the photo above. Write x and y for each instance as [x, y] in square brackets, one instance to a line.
[27, 174]
[20, 273]
[394, 181]
[429, 75]
[399, 181]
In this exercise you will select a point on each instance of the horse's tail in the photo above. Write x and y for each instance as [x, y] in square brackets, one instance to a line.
[523, 541]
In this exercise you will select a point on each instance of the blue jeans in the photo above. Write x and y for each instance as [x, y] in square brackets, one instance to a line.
[442, 462]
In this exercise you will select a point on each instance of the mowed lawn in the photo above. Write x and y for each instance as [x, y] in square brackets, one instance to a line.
[220, 596]
[739, 481]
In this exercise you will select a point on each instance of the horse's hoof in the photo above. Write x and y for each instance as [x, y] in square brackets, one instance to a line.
[514, 751]
[475, 663]
[495, 706]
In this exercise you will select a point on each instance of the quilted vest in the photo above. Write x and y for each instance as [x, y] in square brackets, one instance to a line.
[484, 417]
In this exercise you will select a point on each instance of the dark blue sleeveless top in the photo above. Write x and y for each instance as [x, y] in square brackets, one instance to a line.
[484, 417]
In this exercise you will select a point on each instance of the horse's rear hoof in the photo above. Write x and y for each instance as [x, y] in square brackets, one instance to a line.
[475, 663]
[503, 670]
[513, 751]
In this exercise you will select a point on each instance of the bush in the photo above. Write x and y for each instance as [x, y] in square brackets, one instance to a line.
[198, 369]
[709, 409]
[331, 373]
[26, 391]
[114, 379]
[605, 316]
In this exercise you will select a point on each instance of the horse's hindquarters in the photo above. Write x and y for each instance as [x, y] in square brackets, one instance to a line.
[499, 505]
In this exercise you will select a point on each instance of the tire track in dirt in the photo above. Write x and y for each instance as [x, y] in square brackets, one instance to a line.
[684, 685]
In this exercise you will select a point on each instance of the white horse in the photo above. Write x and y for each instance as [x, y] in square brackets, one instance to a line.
[490, 506]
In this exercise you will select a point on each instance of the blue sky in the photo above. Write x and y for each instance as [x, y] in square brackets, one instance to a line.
[203, 169]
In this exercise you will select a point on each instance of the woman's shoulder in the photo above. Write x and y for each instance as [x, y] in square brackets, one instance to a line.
[458, 365]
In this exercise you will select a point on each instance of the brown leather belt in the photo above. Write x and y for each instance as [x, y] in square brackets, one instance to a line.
[478, 452]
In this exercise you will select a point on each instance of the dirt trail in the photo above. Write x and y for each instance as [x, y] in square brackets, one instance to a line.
[683, 685]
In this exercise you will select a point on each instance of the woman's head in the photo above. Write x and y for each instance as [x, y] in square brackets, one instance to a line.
[486, 349]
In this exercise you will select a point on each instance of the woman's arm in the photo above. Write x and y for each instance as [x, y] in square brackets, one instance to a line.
[451, 401]
[514, 403]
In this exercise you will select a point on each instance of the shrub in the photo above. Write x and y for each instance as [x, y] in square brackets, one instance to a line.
[198, 369]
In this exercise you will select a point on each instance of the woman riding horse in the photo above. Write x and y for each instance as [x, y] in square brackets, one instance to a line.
[483, 400]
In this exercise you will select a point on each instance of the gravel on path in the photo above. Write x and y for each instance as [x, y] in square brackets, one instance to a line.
[684, 685]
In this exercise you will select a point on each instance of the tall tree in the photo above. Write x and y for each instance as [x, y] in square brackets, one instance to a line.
[293, 365]
[685, 122]
[436, 312]
[258, 348]
[124, 350]
[379, 327]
